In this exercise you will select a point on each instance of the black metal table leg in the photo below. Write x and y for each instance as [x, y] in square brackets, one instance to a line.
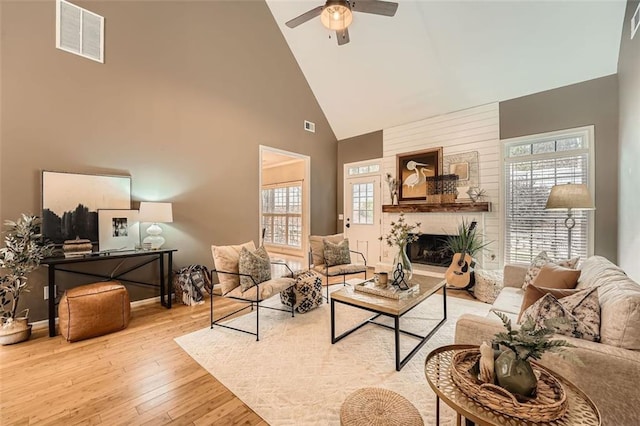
[170, 277]
[52, 300]
[437, 410]
[396, 326]
[161, 262]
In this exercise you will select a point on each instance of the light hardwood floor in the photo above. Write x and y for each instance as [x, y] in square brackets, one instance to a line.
[138, 376]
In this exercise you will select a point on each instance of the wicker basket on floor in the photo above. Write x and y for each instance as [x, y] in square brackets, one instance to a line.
[549, 404]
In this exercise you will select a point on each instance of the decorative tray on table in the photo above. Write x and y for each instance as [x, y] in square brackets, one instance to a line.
[550, 402]
[390, 292]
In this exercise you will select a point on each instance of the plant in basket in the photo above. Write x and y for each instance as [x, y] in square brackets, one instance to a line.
[512, 367]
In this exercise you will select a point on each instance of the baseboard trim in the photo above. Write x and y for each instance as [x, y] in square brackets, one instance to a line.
[38, 325]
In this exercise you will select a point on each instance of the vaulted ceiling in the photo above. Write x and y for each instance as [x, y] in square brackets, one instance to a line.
[435, 57]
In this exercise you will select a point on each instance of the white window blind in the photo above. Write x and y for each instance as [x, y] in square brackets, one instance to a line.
[531, 168]
[282, 214]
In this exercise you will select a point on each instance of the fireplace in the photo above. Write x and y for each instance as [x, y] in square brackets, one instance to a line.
[430, 249]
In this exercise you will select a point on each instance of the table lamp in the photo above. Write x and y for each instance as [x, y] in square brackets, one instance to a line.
[569, 197]
[155, 213]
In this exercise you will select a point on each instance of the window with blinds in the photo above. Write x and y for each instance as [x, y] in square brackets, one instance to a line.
[282, 215]
[532, 166]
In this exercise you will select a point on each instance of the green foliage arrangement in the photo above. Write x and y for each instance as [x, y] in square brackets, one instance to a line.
[23, 252]
[401, 233]
[529, 341]
[467, 240]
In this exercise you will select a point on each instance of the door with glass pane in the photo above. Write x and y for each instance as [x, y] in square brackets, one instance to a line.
[282, 215]
[362, 219]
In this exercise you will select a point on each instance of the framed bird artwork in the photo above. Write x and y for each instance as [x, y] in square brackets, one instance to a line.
[414, 168]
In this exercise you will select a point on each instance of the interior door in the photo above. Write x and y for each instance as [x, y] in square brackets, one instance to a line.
[363, 214]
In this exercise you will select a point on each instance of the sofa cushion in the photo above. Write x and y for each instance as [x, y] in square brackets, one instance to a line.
[534, 293]
[581, 309]
[556, 276]
[509, 300]
[597, 270]
[336, 254]
[542, 259]
[316, 245]
[225, 258]
[255, 263]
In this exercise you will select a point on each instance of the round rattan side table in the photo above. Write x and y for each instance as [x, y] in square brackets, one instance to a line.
[581, 411]
[378, 407]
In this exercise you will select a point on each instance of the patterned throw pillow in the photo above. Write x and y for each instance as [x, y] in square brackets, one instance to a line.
[581, 310]
[542, 259]
[337, 254]
[257, 264]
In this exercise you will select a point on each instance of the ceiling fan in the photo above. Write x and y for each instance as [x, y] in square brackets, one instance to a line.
[336, 15]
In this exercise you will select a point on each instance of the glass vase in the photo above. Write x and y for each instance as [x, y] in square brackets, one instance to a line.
[402, 258]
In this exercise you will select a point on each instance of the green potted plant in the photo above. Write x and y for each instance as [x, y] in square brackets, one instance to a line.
[468, 240]
[22, 253]
[512, 367]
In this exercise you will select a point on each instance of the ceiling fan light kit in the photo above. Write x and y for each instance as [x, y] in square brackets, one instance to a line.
[337, 15]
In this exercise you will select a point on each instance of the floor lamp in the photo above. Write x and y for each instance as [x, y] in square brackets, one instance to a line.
[570, 197]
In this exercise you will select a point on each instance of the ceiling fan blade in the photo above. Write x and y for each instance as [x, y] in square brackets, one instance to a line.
[376, 7]
[304, 17]
[342, 36]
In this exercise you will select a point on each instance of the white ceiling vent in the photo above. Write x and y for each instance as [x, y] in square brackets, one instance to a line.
[79, 31]
[635, 22]
[309, 126]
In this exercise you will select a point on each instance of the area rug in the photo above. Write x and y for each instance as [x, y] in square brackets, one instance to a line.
[295, 376]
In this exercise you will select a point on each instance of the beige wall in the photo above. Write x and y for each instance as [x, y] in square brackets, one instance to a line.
[629, 171]
[357, 148]
[188, 92]
[593, 102]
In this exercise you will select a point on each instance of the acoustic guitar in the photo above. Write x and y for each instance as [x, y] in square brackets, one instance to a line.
[459, 275]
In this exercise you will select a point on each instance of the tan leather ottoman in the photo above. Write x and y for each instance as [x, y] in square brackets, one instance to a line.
[93, 310]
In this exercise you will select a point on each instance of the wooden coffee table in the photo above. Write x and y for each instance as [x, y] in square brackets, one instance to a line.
[581, 410]
[391, 308]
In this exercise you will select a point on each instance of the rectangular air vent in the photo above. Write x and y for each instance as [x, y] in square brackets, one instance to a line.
[309, 126]
[79, 31]
[635, 21]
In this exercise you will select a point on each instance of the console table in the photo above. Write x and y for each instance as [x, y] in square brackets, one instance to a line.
[59, 264]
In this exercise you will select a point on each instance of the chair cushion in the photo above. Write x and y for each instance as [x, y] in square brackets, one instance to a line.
[225, 258]
[582, 310]
[316, 245]
[267, 289]
[336, 254]
[542, 259]
[255, 263]
[333, 271]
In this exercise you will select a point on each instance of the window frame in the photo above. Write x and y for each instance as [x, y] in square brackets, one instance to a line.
[286, 215]
[588, 135]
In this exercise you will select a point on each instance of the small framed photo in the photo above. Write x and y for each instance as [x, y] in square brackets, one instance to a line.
[118, 229]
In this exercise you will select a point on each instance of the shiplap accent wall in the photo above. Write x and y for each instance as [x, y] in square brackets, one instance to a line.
[475, 129]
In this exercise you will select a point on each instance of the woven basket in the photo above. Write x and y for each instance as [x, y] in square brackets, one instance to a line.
[378, 407]
[550, 402]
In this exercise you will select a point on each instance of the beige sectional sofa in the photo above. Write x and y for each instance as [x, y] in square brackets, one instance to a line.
[611, 371]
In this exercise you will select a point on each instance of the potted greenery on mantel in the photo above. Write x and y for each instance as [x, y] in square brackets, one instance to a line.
[22, 253]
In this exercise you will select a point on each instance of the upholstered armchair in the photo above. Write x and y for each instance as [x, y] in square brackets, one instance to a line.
[244, 275]
[328, 267]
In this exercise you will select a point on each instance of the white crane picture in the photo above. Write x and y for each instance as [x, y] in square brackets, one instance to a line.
[415, 178]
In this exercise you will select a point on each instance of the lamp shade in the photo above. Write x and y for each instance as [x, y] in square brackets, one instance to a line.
[570, 196]
[336, 15]
[155, 212]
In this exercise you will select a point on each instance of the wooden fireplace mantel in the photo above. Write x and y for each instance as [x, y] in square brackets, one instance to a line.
[460, 207]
